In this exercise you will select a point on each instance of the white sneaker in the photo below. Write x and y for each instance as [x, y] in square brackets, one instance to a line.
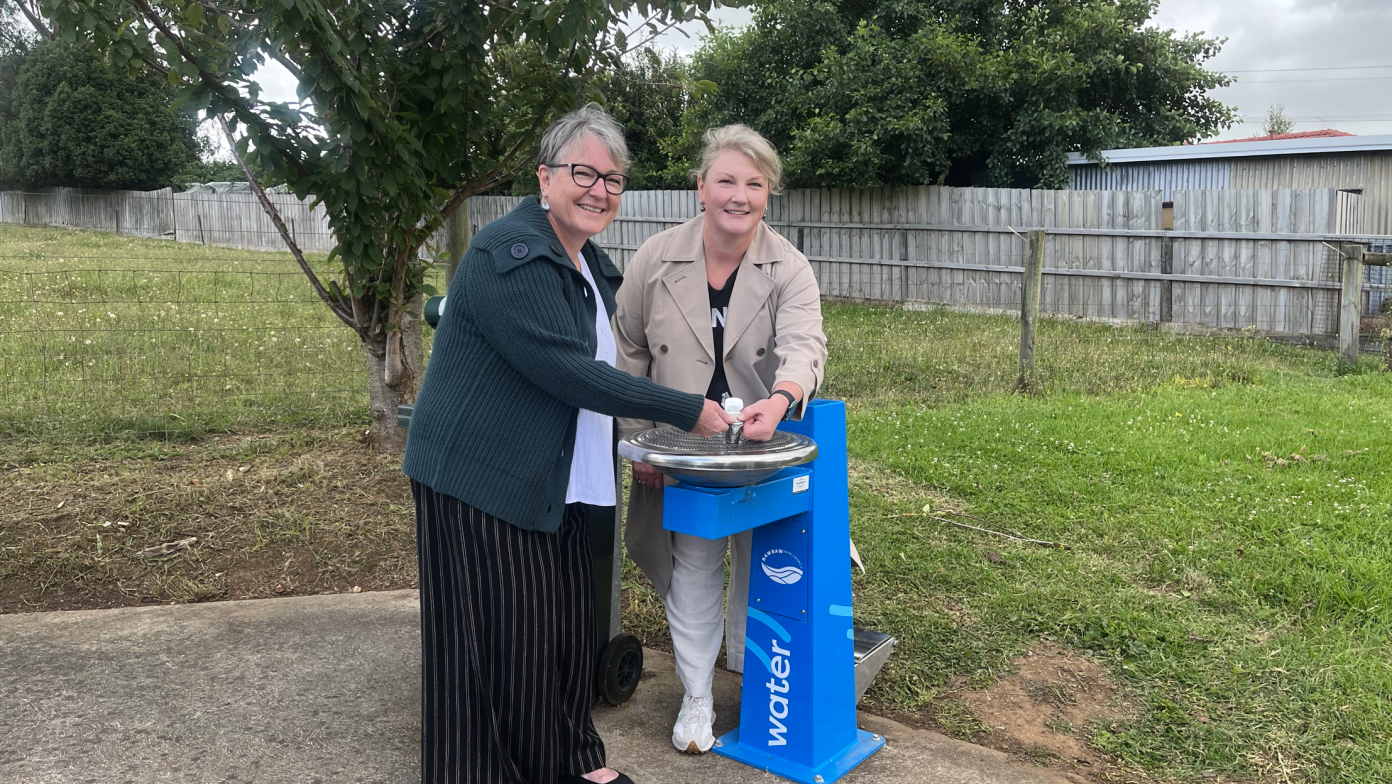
[692, 733]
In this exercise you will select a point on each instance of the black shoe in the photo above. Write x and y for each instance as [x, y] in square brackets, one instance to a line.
[572, 779]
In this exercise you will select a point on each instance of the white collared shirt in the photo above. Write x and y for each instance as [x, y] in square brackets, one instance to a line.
[592, 460]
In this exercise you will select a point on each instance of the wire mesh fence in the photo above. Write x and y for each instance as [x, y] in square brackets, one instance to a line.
[177, 354]
[105, 334]
[161, 352]
[1377, 304]
[933, 355]
[227, 219]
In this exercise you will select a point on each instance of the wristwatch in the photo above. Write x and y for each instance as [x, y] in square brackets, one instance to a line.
[792, 401]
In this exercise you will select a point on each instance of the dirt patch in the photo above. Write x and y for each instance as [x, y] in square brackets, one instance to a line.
[239, 516]
[1042, 714]
[1044, 710]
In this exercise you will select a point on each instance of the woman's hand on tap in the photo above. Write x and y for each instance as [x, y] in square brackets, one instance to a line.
[761, 418]
[713, 420]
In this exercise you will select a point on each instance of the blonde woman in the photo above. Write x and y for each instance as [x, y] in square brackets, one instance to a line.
[721, 304]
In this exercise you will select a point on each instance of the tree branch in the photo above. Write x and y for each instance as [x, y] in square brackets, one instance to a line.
[650, 38]
[1025, 539]
[500, 174]
[234, 99]
[289, 66]
[35, 19]
[266, 204]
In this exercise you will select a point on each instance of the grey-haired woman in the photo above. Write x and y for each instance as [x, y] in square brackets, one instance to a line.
[511, 439]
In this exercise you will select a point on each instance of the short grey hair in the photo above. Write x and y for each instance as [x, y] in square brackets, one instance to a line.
[589, 120]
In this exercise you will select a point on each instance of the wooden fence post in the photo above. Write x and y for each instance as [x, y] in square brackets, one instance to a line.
[1351, 303]
[1032, 282]
[1167, 287]
[456, 240]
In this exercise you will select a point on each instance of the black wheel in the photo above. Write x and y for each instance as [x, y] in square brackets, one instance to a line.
[620, 667]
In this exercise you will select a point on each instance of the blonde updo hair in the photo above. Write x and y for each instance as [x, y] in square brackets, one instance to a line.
[742, 138]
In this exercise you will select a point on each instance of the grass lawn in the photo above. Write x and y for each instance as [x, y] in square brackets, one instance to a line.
[1231, 562]
[1223, 612]
[109, 334]
[1228, 506]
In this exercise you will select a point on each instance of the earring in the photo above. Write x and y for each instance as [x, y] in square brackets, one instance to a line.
[545, 205]
[703, 206]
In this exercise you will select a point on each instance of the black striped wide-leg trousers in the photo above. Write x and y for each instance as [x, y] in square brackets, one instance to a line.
[508, 644]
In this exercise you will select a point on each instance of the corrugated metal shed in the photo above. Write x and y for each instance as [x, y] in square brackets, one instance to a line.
[1166, 177]
[1369, 172]
[1195, 152]
[1359, 163]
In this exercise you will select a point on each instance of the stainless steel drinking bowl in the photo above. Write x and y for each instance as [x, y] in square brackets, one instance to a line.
[717, 461]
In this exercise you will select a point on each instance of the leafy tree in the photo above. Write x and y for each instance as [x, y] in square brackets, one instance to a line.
[406, 108]
[891, 92]
[68, 119]
[648, 93]
[209, 171]
[1276, 122]
[213, 166]
[15, 46]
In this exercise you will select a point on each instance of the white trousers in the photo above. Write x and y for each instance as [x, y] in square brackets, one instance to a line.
[694, 606]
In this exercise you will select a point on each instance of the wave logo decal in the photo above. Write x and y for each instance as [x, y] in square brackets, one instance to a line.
[781, 566]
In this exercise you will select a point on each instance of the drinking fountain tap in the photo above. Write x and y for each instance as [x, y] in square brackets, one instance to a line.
[733, 406]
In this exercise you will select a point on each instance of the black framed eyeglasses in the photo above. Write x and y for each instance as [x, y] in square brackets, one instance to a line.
[586, 176]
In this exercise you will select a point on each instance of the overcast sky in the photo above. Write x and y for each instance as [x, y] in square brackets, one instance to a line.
[1329, 62]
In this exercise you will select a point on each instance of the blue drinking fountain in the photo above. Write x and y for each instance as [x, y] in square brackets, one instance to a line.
[806, 665]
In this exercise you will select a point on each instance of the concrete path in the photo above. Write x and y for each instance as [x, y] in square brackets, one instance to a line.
[324, 689]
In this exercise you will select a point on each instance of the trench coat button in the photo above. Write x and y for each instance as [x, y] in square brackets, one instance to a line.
[759, 353]
[557, 249]
[519, 251]
[816, 363]
[662, 348]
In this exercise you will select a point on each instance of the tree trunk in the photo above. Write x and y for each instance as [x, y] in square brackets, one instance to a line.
[413, 339]
[384, 435]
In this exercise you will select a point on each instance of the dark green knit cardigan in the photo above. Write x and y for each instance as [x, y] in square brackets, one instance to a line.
[512, 364]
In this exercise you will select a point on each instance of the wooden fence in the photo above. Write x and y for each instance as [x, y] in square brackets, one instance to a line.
[1265, 260]
[234, 220]
[144, 213]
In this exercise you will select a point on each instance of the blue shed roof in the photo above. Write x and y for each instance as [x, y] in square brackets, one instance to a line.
[1193, 152]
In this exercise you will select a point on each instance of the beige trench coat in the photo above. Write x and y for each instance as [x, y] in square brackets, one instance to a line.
[662, 321]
